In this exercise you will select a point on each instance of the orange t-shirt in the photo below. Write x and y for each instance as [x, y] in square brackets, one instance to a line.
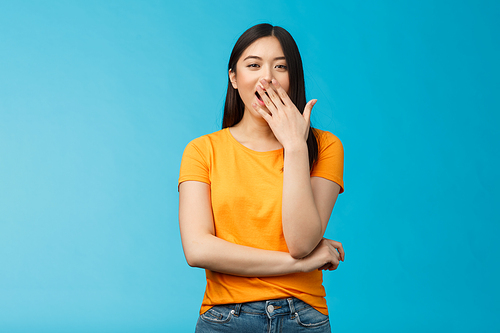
[246, 190]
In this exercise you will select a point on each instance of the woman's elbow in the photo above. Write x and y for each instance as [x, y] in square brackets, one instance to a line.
[193, 258]
[191, 261]
[299, 252]
[302, 247]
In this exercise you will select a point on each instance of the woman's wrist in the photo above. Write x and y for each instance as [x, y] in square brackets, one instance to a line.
[296, 264]
[299, 147]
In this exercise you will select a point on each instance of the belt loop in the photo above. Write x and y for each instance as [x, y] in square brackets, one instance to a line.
[237, 309]
[292, 308]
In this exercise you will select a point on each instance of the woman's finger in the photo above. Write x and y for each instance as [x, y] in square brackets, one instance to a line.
[285, 99]
[325, 267]
[336, 253]
[267, 117]
[308, 109]
[272, 93]
[334, 266]
[339, 247]
[267, 101]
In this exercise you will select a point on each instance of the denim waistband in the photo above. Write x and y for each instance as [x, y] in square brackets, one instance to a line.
[271, 308]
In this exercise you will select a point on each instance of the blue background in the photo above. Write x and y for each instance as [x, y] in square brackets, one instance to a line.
[99, 98]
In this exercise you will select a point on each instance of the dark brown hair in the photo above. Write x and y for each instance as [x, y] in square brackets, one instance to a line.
[234, 106]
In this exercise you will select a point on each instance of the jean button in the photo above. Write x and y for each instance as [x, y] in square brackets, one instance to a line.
[270, 308]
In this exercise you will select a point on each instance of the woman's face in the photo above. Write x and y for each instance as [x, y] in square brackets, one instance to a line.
[263, 59]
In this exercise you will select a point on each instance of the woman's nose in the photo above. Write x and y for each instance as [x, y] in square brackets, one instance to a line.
[268, 75]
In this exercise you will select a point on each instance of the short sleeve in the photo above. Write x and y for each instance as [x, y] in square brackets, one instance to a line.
[330, 163]
[195, 162]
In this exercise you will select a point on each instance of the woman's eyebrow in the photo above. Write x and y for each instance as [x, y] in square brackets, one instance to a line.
[259, 58]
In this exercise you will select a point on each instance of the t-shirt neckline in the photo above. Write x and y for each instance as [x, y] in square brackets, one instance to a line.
[241, 146]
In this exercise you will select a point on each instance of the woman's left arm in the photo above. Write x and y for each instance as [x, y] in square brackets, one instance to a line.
[307, 204]
[307, 201]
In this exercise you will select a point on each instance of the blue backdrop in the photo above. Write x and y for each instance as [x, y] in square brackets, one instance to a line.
[98, 100]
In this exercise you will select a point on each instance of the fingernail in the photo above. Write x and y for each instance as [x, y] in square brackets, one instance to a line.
[275, 82]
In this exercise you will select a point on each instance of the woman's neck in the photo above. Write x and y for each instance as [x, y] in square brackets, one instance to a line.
[255, 133]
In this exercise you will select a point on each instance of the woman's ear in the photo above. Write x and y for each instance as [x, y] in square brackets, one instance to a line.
[232, 78]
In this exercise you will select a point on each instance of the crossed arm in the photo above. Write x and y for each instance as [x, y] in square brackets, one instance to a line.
[205, 250]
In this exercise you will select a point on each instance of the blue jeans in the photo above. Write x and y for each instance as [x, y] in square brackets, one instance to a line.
[280, 315]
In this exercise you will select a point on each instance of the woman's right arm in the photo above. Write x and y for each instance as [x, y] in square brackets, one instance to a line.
[203, 249]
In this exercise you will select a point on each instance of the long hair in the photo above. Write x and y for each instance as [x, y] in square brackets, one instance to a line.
[234, 106]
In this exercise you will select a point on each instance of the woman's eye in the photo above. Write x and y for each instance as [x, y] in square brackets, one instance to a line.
[281, 66]
[253, 65]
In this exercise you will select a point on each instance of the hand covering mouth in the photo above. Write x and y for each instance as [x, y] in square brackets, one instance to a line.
[258, 96]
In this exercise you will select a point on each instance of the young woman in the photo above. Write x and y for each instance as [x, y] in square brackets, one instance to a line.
[255, 197]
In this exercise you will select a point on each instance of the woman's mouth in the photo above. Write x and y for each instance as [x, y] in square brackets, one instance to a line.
[260, 98]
